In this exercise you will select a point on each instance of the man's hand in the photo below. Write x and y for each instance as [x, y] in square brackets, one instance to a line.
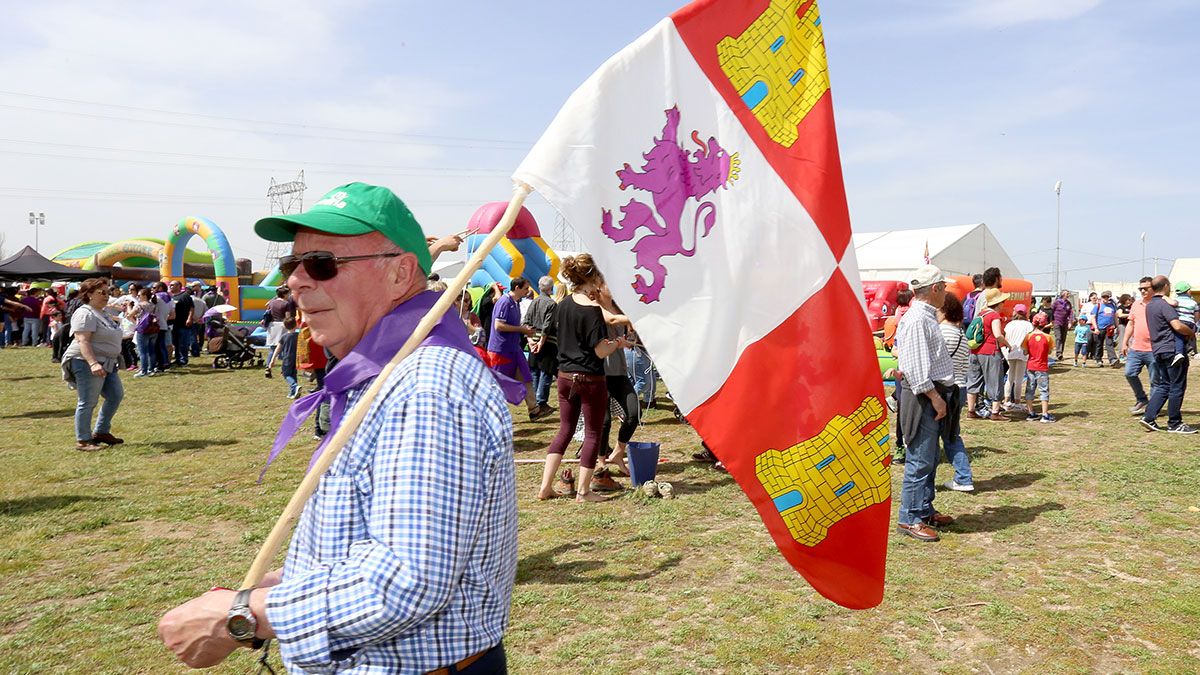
[196, 632]
[439, 245]
[939, 404]
[528, 330]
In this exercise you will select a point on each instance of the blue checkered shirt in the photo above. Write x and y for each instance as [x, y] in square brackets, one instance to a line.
[404, 558]
[922, 355]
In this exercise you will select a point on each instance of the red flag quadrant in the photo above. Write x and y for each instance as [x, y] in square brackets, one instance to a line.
[699, 166]
[769, 66]
[823, 487]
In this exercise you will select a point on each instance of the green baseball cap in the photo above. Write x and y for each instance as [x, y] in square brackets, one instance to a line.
[352, 209]
[1183, 287]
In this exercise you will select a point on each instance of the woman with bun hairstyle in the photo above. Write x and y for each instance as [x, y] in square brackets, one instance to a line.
[583, 344]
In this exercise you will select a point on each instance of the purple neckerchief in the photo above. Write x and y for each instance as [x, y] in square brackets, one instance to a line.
[367, 360]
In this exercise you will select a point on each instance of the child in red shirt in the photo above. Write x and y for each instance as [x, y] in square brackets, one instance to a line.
[1038, 345]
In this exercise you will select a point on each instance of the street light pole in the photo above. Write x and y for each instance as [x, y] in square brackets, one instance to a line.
[36, 220]
[1058, 243]
[1143, 254]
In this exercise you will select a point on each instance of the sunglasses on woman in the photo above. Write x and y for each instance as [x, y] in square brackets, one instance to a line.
[323, 265]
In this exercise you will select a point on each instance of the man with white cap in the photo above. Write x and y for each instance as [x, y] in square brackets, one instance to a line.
[929, 403]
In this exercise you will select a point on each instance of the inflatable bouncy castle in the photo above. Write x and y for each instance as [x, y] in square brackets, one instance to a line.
[523, 253]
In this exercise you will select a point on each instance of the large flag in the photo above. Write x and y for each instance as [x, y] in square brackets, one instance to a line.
[700, 167]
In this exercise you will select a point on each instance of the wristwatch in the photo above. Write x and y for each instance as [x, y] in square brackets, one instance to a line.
[240, 621]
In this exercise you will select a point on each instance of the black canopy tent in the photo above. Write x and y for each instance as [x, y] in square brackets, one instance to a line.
[29, 265]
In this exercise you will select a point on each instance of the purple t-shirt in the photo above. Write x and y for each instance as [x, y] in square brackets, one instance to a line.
[34, 305]
[506, 310]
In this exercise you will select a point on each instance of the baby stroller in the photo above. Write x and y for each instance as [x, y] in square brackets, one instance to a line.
[230, 346]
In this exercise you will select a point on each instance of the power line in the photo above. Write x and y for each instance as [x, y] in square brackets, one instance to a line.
[514, 145]
[445, 172]
[352, 165]
[1095, 255]
[199, 200]
[86, 195]
[1092, 267]
[244, 120]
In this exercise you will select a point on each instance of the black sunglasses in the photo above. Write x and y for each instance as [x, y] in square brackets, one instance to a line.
[323, 265]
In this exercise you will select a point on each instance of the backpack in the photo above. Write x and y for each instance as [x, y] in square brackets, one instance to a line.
[969, 306]
[148, 324]
[975, 334]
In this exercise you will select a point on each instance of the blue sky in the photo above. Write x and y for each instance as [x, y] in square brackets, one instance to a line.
[120, 118]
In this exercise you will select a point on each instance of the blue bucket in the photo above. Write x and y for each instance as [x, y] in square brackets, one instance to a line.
[643, 461]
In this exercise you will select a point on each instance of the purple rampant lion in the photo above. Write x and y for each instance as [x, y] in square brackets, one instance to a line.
[672, 176]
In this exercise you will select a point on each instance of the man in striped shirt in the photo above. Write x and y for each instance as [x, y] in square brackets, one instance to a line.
[404, 559]
[928, 403]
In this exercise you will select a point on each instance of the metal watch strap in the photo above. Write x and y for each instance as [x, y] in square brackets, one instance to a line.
[242, 599]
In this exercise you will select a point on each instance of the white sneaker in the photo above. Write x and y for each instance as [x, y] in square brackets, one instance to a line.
[958, 487]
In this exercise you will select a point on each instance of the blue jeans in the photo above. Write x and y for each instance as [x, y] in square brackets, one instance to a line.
[147, 352]
[293, 385]
[197, 340]
[8, 328]
[90, 388]
[1169, 389]
[920, 466]
[641, 372]
[1133, 371]
[181, 337]
[33, 332]
[541, 386]
[162, 359]
[956, 453]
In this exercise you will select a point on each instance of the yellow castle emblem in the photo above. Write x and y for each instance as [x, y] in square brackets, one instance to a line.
[839, 472]
[778, 66]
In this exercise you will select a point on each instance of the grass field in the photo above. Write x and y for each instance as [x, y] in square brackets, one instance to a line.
[1080, 551]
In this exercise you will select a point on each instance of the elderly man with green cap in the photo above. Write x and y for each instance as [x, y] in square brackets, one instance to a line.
[403, 560]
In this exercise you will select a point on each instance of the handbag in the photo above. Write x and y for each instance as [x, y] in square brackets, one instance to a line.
[148, 324]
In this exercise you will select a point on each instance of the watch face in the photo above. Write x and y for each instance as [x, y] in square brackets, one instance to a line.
[239, 627]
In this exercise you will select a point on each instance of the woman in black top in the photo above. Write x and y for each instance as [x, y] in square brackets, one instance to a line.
[583, 344]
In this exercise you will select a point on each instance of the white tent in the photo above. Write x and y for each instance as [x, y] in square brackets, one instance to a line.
[1186, 269]
[960, 249]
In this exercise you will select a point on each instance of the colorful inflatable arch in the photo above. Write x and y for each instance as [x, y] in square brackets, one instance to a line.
[523, 253]
[224, 266]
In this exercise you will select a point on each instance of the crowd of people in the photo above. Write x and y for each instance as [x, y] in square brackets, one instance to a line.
[405, 556]
[98, 329]
[569, 333]
[968, 362]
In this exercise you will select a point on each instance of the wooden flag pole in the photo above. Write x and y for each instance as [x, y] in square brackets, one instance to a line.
[347, 427]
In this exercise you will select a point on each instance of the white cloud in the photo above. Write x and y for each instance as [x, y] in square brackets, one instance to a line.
[294, 62]
[1003, 13]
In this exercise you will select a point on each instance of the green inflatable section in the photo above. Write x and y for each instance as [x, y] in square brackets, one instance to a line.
[82, 253]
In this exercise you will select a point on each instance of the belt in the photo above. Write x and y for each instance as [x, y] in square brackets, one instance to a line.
[461, 665]
[582, 377]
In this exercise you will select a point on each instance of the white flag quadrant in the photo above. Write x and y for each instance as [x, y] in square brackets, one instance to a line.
[700, 240]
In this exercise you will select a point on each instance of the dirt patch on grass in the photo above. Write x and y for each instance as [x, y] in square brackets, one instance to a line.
[222, 531]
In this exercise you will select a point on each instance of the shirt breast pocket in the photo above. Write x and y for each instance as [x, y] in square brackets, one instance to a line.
[338, 516]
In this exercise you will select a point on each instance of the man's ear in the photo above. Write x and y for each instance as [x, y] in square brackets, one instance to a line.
[404, 275]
